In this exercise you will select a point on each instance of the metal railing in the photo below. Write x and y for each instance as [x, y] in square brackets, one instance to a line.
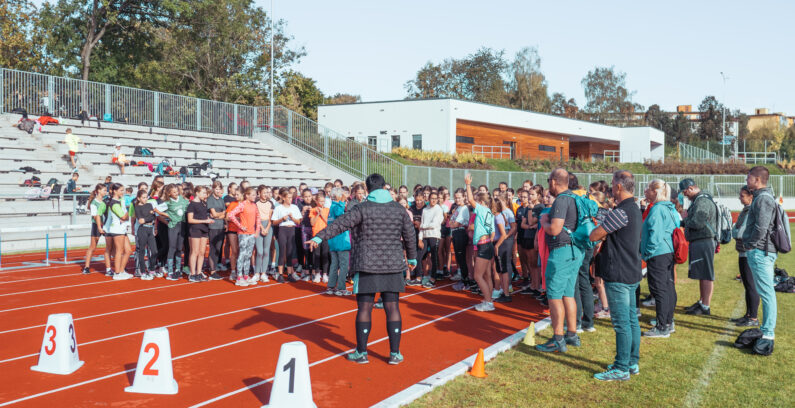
[758, 157]
[332, 147]
[492, 152]
[688, 153]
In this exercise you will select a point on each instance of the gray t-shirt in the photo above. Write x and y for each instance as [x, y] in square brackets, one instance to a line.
[218, 205]
[566, 208]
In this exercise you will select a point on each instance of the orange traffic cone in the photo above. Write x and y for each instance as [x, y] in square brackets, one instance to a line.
[479, 368]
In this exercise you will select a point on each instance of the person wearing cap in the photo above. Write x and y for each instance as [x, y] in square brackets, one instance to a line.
[119, 158]
[701, 229]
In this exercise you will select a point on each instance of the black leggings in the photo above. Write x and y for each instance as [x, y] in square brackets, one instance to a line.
[322, 257]
[162, 242]
[286, 240]
[751, 295]
[660, 274]
[432, 246]
[364, 319]
[460, 240]
[216, 247]
[145, 238]
[176, 240]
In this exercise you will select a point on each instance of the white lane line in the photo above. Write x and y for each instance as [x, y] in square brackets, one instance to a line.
[329, 358]
[32, 279]
[693, 397]
[57, 287]
[171, 302]
[220, 346]
[176, 324]
[94, 297]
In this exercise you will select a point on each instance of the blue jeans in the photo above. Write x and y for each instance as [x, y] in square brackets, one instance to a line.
[762, 268]
[624, 314]
[338, 271]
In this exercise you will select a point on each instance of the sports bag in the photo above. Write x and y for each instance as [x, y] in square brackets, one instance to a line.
[45, 192]
[748, 338]
[146, 152]
[586, 211]
[724, 224]
[52, 181]
[33, 193]
[681, 246]
[137, 151]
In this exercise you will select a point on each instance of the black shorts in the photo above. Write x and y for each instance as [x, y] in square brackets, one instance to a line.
[504, 256]
[701, 255]
[445, 231]
[486, 251]
[109, 235]
[199, 231]
[95, 231]
[526, 243]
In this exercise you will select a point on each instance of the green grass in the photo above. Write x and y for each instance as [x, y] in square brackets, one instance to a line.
[504, 165]
[671, 369]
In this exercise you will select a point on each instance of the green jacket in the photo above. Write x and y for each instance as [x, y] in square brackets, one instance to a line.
[176, 211]
[702, 219]
[656, 237]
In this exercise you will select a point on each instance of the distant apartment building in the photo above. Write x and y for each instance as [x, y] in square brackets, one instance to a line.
[763, 117]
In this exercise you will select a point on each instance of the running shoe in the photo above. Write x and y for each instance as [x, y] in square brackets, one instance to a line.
[458, 286]
[233, 276]
[693, 306]
[109, 272]
[633, 369]
[330, 291]
[379, 304]
[503, 299]
[496, 293]
[699, 311]
[147, 276]
[395, 358]
[602, 314]
[485, 306]
[86, 271]
[317, 278]
[254, 277]
[748, 322]
[657, 332]
[358, 357]
[203, 277]
[306, 278]
[553, 346]
[123, 275]
[572, 340]
[280, 278]
[161, 272]
[529, 291]
[590, 329]
[456, 277]
[173, 276]
[299, 268]
[263, 278]
[649, 303]
[427, 284]
[215, 276]
[137, 273]
[344, 292]
[325, 278]
[251, 281]
[293, 277]
[194, 279]
[241, 281]
[415, 282]
[221, 267]
[612, 375]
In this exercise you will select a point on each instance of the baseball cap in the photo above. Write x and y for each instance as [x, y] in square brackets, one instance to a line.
[118, 144]
[684, 184]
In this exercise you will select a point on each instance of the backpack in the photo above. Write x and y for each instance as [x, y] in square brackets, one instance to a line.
[780, 235]
[33, 193]
[137, 151]
[723, 230]
[786, 285]
[52, 181]
[27, 125]
[107, 117]
[681, 246]
[45, 192]
[146, 152]
[748, 338]
[586, 211]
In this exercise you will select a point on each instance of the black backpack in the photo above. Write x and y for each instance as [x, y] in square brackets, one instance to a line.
[52, 181]
[763, 347]
[748, 338]
[137, 151]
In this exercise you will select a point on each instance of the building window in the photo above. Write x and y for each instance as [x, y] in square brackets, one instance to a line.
[383, 132]
[465, 139]
[545, 148]
[351, 138]
[395, 141]
[372, 141]
[416, 142]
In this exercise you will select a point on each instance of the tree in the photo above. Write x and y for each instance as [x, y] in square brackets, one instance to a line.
[681, 130]
[606, 93]
[21, 45]
[711, 118]
[342, 98]
[300, 94]
[788, 144]
[561, 106]
[528, 87]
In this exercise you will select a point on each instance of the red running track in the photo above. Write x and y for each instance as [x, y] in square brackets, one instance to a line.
[225, 339]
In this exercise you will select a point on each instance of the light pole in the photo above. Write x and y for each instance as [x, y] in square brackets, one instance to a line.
[270, 117]
[723, 122]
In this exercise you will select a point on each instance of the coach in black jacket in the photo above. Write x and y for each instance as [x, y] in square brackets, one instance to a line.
[381, 232]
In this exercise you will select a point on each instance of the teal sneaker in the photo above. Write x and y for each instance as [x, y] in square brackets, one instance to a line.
[612, 375]
[572, 340]
[634, 369]
[395, 358]
[358, 357]
[553, 346]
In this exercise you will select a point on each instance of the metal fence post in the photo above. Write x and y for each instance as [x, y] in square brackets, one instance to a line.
[198, 114]
[487, 177]
[429, 177]
[712, 184]
[781, 186]
[235, 113]
[325, 147]
[156, 115]
[51, 94]
[451, 179]
[64, 246]
[364, 162]
[107, 100]
[47, 249]
[510, 183]
[406, 175]
[290, 127]
[2, 90]
[256, 121]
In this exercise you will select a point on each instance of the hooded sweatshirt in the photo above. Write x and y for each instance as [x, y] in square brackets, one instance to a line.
[656, 237]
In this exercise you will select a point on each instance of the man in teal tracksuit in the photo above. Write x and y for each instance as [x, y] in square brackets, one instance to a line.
[761, 252]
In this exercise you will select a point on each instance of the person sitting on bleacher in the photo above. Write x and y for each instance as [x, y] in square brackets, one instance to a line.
[78, 193]
[119, 158]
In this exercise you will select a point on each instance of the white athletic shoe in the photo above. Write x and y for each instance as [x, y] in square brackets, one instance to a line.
[232, 276]
[263, 278]
[251, 281]
[254, 277]
[485, 307]
[325, 278]
[316, 278]
[147, 276]
[241, 281]
[456, 277]
[123, 275]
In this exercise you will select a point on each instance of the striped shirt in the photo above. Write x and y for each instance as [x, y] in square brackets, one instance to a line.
[615, 220]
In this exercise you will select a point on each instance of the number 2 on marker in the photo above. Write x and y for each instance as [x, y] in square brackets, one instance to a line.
[148, 370]
[51, 348]
[291, 366]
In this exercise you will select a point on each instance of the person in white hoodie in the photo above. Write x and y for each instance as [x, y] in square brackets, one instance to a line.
[430, 234]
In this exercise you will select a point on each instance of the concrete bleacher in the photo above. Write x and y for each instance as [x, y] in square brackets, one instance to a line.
[233, 159]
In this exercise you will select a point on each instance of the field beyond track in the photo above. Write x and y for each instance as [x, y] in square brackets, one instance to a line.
[697, 366]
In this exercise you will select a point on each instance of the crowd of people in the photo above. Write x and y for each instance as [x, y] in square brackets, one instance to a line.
[532, 241]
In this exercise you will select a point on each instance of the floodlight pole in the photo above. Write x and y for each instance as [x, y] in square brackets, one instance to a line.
[270, 117]
[723, 122]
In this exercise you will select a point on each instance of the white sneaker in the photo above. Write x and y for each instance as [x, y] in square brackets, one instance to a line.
[316, 278]
[263, 278]
[649, 303]
[485, 307]
[496, 293]
[232, 276]
[456, 277]
[123, 275]
[254, 277]
[147, 276]
[325, 278]
[251, 281]
[299, 268]
[241, 282]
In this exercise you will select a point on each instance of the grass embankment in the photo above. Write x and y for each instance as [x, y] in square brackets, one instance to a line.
[696, 366]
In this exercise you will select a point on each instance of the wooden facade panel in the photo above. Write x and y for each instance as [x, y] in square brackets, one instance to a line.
[527, 141]
[584, 150]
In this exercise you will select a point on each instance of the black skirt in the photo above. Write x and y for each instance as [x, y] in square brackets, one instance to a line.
[364, 282]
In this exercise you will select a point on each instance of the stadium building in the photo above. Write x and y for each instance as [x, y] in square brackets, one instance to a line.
[452, 125]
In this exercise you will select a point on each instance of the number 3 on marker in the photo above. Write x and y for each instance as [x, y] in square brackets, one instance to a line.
[49, 349]
[72, 346]
[148, 370]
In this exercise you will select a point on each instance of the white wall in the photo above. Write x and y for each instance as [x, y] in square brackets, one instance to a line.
[636, 144]
[430, 118]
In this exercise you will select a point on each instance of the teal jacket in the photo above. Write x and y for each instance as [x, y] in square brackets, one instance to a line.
[341, 242]
[658, 228]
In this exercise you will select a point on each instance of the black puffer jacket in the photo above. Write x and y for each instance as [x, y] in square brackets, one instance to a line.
[380, 233]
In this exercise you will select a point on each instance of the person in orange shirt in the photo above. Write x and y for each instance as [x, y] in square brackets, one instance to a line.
[245, 216]
[318, 217]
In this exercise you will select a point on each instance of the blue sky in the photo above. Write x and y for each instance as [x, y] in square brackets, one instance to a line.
[673, 51]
